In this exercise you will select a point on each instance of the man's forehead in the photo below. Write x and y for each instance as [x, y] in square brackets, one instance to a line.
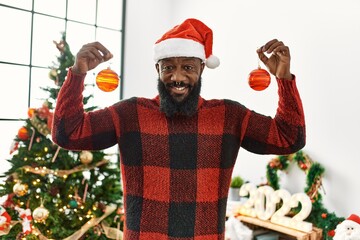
[180, 59]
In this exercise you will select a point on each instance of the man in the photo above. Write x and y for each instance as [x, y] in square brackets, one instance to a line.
[178, 150]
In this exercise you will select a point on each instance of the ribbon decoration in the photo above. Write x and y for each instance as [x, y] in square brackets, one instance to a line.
[92, 222]
[25, 215]
[40, 115]
[7, 230]
[62, 173]
[112, 233]
[5, 219]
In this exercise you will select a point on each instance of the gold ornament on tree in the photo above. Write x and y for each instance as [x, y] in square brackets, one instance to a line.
[86, 157]
[20, 189]
[40, 214]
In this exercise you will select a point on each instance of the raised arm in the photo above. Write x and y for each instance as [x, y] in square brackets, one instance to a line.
[285, 133]
[72, 127]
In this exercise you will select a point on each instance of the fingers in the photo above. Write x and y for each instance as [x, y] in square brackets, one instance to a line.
[90, 56]
[262, 56]
[95, 52]
[276, 57]
[275, 46]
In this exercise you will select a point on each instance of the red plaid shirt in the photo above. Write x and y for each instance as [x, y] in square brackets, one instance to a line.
[176, 171]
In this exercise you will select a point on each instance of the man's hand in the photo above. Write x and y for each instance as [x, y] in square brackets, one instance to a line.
[90, 56]
[279, 62]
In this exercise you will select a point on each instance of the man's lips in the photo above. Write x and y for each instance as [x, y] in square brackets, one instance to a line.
[178, 87]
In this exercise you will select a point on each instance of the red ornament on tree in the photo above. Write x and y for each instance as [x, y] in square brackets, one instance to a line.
[23, 134]
[107, 80]
[259, 79]
[303, 166]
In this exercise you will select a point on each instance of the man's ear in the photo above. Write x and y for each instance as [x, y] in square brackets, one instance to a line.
[202, 67]
[157, 67]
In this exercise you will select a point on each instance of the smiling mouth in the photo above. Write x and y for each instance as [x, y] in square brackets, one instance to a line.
[178, 87]
[178, 90]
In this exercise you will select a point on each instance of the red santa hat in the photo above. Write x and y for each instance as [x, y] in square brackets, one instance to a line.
[354, 218]
[192, 38]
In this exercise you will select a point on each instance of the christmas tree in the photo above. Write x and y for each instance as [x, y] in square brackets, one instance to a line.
[53, 193]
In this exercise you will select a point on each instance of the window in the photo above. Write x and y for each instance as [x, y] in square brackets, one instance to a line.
[27, 52]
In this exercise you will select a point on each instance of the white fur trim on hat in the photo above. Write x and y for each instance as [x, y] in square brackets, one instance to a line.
[178, 47]
[212, 62]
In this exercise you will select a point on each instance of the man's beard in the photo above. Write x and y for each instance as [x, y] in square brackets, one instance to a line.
[171, 107]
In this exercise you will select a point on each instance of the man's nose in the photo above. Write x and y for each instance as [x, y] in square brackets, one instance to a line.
[178, 75]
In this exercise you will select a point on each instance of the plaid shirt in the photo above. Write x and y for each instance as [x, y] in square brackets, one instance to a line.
[176, 171]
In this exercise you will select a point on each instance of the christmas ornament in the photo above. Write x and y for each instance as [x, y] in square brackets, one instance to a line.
[40, 214]
[20, 236]
[53, 74]
[85, 189]
[5, 219]
[44, 111]
[303, 166]
[31, 112]
[20, 189]
[9, 203]
[14, 146]
[56, 153]
[348, 229]
[25, 215]
[118, 232]
[23, 134]
[314, 174]
[101, 206]
[107, 80]
[73, 203]
[76, 201]
[86, 157]
[32, 138]
[54, 191]
[40, 125]
[259, 79]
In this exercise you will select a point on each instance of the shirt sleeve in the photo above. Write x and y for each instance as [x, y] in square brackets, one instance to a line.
[75, 129]
[283, 134]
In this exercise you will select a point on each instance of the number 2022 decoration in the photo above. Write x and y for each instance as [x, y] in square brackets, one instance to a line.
[262, 204]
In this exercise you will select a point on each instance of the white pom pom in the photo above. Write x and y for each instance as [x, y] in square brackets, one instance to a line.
[212, 61]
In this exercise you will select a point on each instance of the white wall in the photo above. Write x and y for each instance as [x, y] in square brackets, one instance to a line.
[324, 39]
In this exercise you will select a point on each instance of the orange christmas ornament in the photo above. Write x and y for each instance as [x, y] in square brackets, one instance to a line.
[259, 79]
[23, 134]
[107, 80]
[31, 112]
